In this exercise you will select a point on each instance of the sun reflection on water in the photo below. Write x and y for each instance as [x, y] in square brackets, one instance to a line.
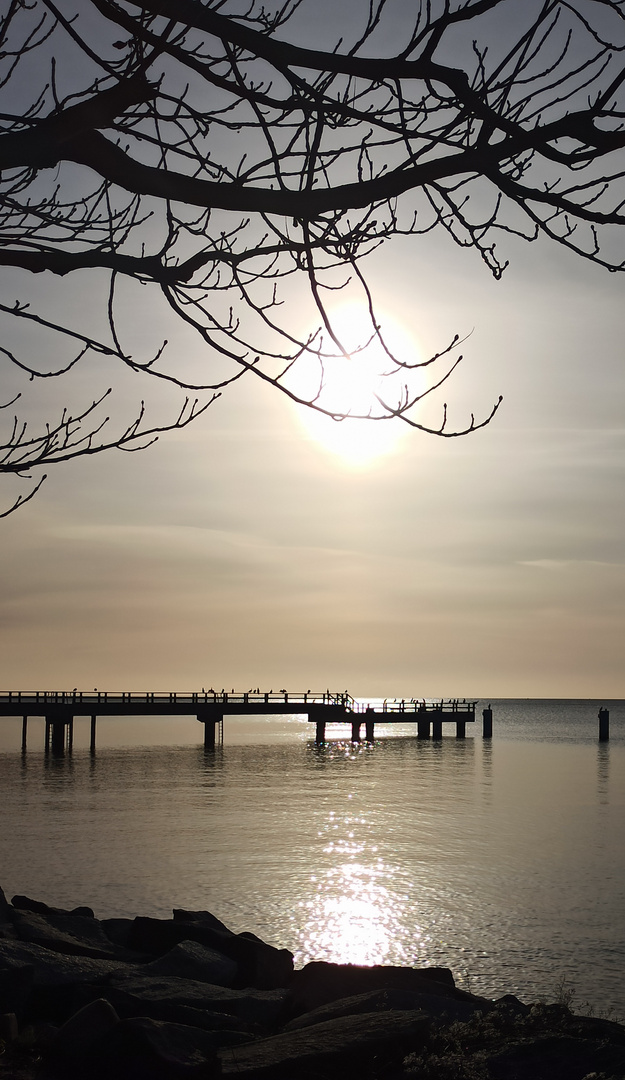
[355, 899]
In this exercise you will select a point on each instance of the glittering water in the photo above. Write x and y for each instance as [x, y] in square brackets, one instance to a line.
[503, 859]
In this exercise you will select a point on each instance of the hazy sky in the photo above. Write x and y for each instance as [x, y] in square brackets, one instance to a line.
[246, 551]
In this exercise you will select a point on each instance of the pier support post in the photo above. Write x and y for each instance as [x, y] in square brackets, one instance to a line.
[487, 723]
[92, 740]
[369, 727]
[55, 734]
[461, 729]
[320, 734]
[210, 726]
[24, 730]
[70, 733]
[437, 728]
[58, 737]
[423, 728]
[604, 725]
[355, 730]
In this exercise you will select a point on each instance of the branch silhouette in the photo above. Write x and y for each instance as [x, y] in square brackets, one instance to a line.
[197, 149]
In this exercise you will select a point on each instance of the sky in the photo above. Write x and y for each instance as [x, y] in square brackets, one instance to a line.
[247, 550]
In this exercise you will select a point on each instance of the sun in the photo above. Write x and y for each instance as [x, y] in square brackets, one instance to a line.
[352, 385]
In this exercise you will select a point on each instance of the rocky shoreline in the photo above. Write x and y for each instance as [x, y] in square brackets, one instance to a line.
[167, 999]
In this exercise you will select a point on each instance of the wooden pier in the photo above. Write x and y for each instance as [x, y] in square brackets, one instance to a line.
[59, 708]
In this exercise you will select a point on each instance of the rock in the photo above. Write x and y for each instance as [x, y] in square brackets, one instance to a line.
[26, 904]
[144, 1049]
[171, 998]
[556, 1058]
[346, 1046]
[57, 969]
[7, 929]
[77, 1036]
[74, 935]
[118, 931]
[320, 982]
[512, 1003]
[259, 964]
[190, 960]
[16, 982]
[202, 918]
[8, 1027]
[56, 977]
[432, 1005]
[5, 909]
[545, 1042]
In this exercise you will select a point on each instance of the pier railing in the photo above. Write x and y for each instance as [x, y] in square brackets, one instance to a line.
[91, 699]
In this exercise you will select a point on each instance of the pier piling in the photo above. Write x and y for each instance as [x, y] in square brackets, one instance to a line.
[487, 723]
[604, 725]
[24, 730]
[423, 728]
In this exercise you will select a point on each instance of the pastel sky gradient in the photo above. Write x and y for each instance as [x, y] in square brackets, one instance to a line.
[241, 552]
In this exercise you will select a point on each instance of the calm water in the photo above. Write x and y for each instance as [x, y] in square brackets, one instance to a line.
[503, 860]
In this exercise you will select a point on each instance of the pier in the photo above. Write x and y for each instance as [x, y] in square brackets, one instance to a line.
[59, 708]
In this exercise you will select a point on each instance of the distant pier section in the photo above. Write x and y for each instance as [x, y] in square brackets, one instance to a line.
[59, 708]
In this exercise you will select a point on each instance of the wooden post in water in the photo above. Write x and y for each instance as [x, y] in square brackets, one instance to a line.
[356, 730]
[461, 729]
[209, 732]
[369, 725]
[55, 726]
[437, 726]
[92, 742]
[487, 723]
[24, 729]
[604, 725]
[320, 734]
[423, 727]
[70, 733]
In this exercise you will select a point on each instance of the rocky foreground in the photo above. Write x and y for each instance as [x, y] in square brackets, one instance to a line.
[162, 999]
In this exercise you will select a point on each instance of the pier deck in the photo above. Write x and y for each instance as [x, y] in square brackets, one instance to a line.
[59, 708]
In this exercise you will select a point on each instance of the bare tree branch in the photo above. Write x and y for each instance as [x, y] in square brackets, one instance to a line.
[203, 152]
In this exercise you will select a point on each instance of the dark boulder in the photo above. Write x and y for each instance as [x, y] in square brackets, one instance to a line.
[357, 1046]
[259, 964]
[74, 935]
[433, 1005]
[56, 977]
[200, 918]
[24, 903]
[144, 1049]
[320, 982]
[190, 960]
[7, 929]
[16, 983]
[171, 998]
[87, 1027]
[5, 908]
[118, 931]
[556, 1057]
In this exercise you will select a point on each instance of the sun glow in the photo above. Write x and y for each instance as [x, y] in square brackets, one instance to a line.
[353, 385]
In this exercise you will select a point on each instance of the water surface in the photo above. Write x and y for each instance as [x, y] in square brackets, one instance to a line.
[502, 859]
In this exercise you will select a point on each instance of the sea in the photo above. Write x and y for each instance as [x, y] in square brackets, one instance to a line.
[502, 859]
